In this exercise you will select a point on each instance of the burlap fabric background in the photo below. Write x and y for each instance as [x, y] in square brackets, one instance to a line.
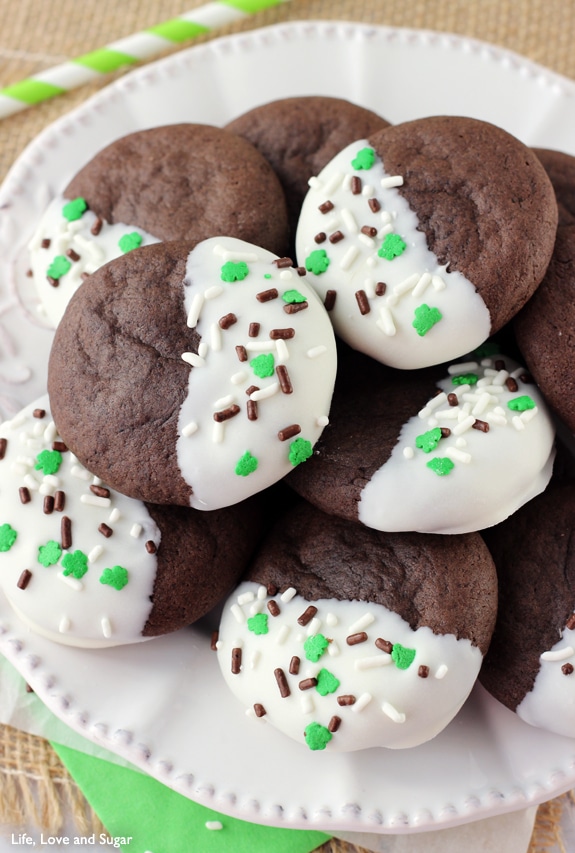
[38, 34]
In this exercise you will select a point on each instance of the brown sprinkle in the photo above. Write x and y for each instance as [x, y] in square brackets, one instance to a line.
[254, 330]
[283, 263]
[423, 671]
[241, 353]
[66, 532]
[369, 231]
[356, 185]
[301, 271]
[25, 496]
[29, 272]
[452, 399]
[24, 579]
[281, 680]
[48, 505]
[482, 426]
[282, 334]
[272, 590]
[227, 320]
[29, 689]
[374, 205]
[362, 302]
[380, 288]
[151, 546]
[346, 699]
[59, 500]
[527, 378]
[251, 389]
[336, 237]
[294, 307]
[73, 255]
[105, 530]
[236, 660]
[45, 244]
[384, 645]
[329, 300]
[307, 683]
[445, 432]
[226, 414]
[354, 639]
[96, 227]
[511, 384]
[267, 295]
[259, 710]
[307, 615]
[214, 640]
[567, 669]
[294, 665]
[289, 432]
[326, 206]
[59, 445]
[39, 413]
[334, 724]
[499, 364]
[100, 491]
[571, 622]
[273, 608]
[53, 281]
[3, 446]
[285, 381]
[320, 237]
[252, 408]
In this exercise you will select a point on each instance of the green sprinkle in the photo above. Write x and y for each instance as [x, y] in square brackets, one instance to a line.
[425, 319]
[300, 450]
[326, 682]
[364, 159]
[521, 404]
[315, 646]
[258, 624]
[317, 736]
[48, 461]
[246, 465]
[429, 440]
[267, 275]
[75, 564]
[74, 209]
[49, 554]
[7, 537]
[234, 271]
[263, 365]
[486, 350]
[465, 379]
[293, 296]
[441, 465]
[130, 241]
[402, 656]
[317, 261]
[392, 247]
[116, 577]
[59, 267]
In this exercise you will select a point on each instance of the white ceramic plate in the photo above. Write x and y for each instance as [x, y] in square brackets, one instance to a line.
[161, 704]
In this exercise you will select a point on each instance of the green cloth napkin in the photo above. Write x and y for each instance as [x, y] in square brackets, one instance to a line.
[159, 820]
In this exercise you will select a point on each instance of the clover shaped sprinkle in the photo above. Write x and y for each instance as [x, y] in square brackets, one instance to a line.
[317, 736]
[300, 450]
[392, 247]
[116, 577]
[130, 241]
[49, 554]
[7, 537]
[74, 209]
[59, 267]
[75, 564]
[425, 319]
[48, 461]
[364, 159]
[317, 261]
[234, 271]
[247, 464]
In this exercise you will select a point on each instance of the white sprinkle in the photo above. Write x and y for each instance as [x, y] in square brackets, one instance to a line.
[195, 310]
[20, 468]
[203, 349]
[94, 500]
[314, 183]
[332, 224]
[331, 620]
[334, 182]
[366, 240]
[282, 351]
[96, 552]
[386, 229]
[213, 291]
[189, 429]
[223, 402]
[460, 442]
[441, 671]
[238, 613]
[214, 824]
[367, 191]
[238, 378]
[349, 257]
[392, 181]
[267, 391]
[46, 487]
[30, 481]
[558, 654]
[289, 593]
[386, 217]
[373, 662]
[463, 425]
[528, 414]
[482, 403]
[255, 659]
[361, 703]
[313, 627]
[333, 649]
[80, 472]
[230, 255]
[462, 367]
[136, 530]
[256, 607]
[245, 597]
[313, 352]
[408, 452]
[193, 359]
[322, 421]
[218, 432]
[363, 622]
[501, 377]
[262, 593]
[437, 282]
[406, 285]
[458, 455]
[495, 418]
[518, 423]
[349, 220]
[216, 337]
[106, 627]
[71, 581]
[393, 714]
[115, 515]
[286, 275]
[258, 346]
[385, 322]
[421, 285]
[64, 625]
[283, 634]
[436, 401]
[306, 703]
[50, 433]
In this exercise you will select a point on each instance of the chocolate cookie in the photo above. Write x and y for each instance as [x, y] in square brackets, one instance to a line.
[193, 375]
[442, 450]
[298, 136]
[86, 566]
[530, 666]
[348, 638]
[561, 170]
[174, 182]
[427, 237]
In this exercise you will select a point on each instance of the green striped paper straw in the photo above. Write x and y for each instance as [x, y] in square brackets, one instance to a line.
[125, 52]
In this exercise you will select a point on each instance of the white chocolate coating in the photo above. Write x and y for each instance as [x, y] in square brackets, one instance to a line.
[79, 611]
[56, 236]
[209, 449]
[550, 705]
[383, 328]
[395, 706]
[493, 473]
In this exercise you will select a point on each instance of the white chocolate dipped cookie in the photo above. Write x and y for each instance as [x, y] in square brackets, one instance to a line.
[215, 364]
[84, 565]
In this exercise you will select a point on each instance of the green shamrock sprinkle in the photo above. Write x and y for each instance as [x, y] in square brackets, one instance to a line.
[293, 296]
[246, 465]
[130, 241]
[75, 564]
[7, 537]
[364, 159]
[315, 646]
[521, 404]
[116, 577]
[300, 450]
[59, 267]
[326, 682]
[429, 440]
[440, 465]
[234, 271]
[48, 461]
[263, 365]
[425, 319]
[49, 554]
[258, 624]
[402, 656]
[317, 261]
[317, 736]
[392, 247]
[465, 379]
[74, 209]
